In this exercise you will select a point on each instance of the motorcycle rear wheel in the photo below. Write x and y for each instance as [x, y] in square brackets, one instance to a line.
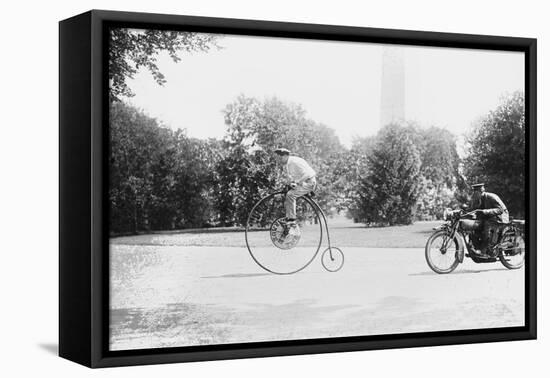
[442, 260]
[513, 241]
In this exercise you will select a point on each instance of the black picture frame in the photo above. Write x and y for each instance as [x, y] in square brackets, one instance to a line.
[83, 167]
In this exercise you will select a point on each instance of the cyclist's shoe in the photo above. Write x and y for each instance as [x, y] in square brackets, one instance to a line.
[286, 229]
[294, 230]
[284, 233]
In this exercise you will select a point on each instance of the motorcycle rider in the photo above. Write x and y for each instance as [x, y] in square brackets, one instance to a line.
[491, 211]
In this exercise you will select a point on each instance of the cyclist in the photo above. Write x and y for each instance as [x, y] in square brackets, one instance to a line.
[301, 179]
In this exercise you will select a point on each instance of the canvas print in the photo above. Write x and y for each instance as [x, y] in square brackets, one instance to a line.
[266, 189]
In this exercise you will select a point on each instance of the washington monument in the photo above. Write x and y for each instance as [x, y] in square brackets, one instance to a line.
[392, 104]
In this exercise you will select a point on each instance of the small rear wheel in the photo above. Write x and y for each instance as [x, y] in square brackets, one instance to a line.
[442, 252]
[332, 259]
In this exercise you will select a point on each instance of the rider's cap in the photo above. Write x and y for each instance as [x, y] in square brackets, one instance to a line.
[282, 151]
[479, 186]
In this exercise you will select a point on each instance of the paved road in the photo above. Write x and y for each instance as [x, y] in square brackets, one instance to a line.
[163, 296]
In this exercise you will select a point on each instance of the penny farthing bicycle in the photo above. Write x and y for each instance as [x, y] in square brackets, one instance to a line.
[280, 250]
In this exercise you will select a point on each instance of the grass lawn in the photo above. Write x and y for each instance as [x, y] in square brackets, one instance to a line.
[343, 233]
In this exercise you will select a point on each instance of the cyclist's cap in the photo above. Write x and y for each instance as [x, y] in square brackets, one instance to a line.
[282, 151]
[479, 186]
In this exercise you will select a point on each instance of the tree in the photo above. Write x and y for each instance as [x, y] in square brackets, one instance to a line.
[349, 170]
[158, 178]
[440, 160]
[135, 142]
[193, 197]
[132, 49]
[242, 179]
[439, 170]
[496, 152]
[248, 170]
[282, 124]
[389, 192]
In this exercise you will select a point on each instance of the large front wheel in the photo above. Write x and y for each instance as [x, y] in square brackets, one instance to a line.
[278, 247]
[442, 252]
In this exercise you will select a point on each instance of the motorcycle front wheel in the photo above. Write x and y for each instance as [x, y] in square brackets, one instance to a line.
[442, 252]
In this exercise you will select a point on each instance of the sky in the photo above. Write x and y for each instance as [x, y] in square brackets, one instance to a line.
[337, 83]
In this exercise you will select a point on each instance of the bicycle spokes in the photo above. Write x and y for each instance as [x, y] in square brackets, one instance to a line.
[284, 236]
[277, 246]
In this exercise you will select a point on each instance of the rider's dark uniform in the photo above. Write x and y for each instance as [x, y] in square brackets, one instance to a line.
[492, 212]
[493, 208]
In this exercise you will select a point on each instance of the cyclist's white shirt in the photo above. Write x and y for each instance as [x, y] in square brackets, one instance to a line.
[298, 170]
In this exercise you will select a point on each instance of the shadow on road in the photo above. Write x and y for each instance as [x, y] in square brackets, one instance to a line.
[240, 275]
[465, 271]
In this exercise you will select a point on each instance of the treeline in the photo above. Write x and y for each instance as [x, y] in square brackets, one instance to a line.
[163, 179]
[407, 173]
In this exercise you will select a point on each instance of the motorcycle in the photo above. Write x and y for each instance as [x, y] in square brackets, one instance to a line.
[460, 236]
